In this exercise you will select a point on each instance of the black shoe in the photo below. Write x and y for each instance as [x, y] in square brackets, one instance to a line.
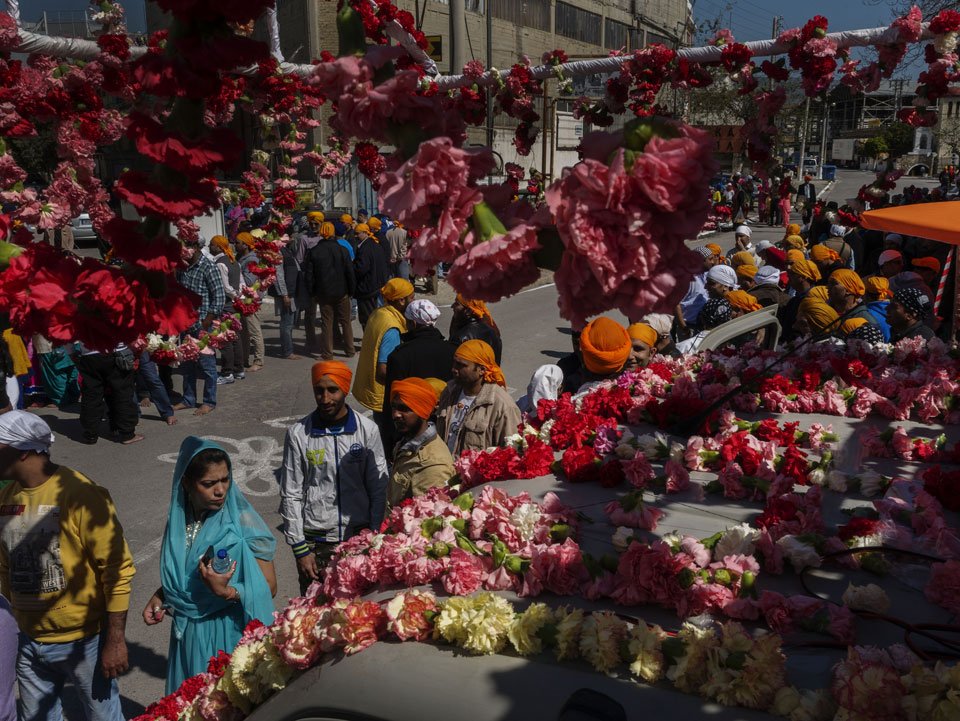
[89, 440]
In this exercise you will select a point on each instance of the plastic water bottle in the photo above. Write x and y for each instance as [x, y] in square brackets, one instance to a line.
[221, 564]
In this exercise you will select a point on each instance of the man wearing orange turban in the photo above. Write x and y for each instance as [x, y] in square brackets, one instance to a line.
[794, 242]
[605, 345]
[232, 359]
[421, 461]
[826, 258]
[333, 479]
[472, 320]
[372, 272]
[643, 342]
[475, 411]
[715, 249]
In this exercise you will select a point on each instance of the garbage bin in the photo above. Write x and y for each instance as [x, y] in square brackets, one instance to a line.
[829, 172]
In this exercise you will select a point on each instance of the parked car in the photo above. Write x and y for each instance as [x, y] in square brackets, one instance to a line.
[83, 233]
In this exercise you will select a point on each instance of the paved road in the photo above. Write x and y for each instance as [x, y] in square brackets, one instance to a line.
[250, 421]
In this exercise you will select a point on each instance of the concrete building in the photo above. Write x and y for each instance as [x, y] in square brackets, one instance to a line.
[582, 28]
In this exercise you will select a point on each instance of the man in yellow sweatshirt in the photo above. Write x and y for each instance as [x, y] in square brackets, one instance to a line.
[66, 569]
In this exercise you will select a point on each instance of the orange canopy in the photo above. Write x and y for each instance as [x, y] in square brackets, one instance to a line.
[936, 221]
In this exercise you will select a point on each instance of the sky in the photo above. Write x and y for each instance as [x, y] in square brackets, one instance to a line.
[33, 9]
[753, 19]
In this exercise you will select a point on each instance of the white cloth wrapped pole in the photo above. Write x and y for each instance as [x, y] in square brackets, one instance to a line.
[273, 29]
[759, 48]
[13, 10]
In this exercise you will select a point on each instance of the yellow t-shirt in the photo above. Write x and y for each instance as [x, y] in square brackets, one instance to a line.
[64, 562]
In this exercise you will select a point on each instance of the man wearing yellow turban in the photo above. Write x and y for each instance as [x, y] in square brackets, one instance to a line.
[475, 411]
[801, 277]
[815, 317]
[746, 275]
[381, 337]
[794, 242]
[742, 302]
[232, 359]
[643, 342]
[826, 258]
[371, 269]
[846, 290]
[422, 460]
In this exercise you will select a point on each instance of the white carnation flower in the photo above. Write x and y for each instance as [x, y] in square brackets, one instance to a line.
[739, 539]
[866, 598]
[799, 553]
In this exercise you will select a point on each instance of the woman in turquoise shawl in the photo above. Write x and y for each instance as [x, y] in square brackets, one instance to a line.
[209, 609]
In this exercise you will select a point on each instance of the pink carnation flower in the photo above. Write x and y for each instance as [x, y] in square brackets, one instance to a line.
[499, 267]
[464, 573]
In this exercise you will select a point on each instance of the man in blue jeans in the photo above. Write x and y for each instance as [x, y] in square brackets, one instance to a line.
[202, 277]
[150, 378]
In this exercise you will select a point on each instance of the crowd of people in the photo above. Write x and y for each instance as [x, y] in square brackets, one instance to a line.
[829, 283]
[431, 397]
[332, 272]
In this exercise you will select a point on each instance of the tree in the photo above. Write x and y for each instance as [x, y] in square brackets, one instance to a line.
[875, 147]
[898, 137]
[37, 155]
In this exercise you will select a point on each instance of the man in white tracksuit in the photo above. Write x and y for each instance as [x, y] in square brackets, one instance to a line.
[333, 481]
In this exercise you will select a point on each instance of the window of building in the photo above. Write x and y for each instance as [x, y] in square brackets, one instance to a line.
[577, 23]
[531, 13]
[617, 35]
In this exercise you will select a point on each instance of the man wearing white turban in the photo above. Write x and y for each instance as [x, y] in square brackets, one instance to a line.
[67, 571]
[423, 353]
[721, 279]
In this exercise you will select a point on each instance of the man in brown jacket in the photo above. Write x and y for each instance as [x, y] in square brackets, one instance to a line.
[421, 460]
[475, 411]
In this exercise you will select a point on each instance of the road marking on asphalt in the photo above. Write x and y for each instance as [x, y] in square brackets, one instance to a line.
[253, 462]
[148, 551]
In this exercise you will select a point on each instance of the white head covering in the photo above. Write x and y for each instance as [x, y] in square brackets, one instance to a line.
[893, 238]
[763, 245]
[888, 255]
[723, 274]
[424, 312]
[25, 432]
[545, 383]
[767, 274]
[837, 231]
[743, 230]
[660, 322]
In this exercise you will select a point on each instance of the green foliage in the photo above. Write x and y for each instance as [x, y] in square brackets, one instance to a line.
[875, 147]
[898, 137]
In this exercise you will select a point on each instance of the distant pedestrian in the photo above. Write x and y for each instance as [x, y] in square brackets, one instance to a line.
[108, 387]
[253, 348]
[371, 271]
[472, 321]
[201, 277]
[329, 279]
[231, 353]
[288, 277]
[305, 300]
[399, 245]
[381, 338]
[423, 353]
[67, 571]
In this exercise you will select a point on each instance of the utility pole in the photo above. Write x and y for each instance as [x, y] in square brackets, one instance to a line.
[823, 134]
[490, 91]
[803, 136]
[458, 46]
